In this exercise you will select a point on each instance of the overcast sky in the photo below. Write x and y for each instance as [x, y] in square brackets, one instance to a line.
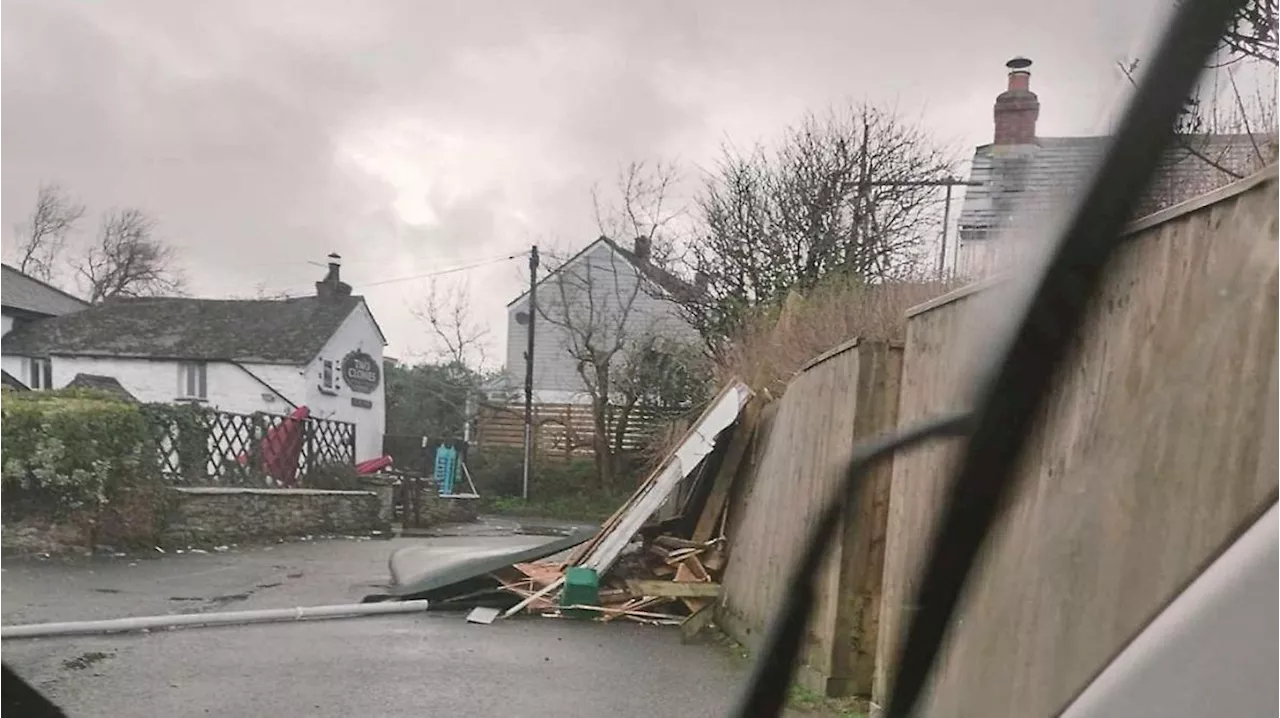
[411, 136]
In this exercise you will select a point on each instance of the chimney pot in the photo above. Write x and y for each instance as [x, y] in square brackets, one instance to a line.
[1017, 108]
[643, 246]
[332, 285]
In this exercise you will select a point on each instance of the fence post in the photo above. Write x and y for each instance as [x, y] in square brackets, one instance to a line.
[351, 445]
[307, 461]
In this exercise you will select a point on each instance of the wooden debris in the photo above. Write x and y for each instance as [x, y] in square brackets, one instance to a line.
[674, 577]
[680, 555]
[718, 500]
[633, 604]
[673, 589]
[713, 560]
[540, 573]
[624, 612]
[675, 542]
[532, 597]
[659, 551]
[691, 569]
[696, 623]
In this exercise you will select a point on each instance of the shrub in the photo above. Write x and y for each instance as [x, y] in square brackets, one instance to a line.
[771, 345]
[334, 477]
[187, 429]
[71, 450]
[499, 471]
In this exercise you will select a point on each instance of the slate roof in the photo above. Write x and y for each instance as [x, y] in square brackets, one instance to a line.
[108, 384]
[678, 288]
[669, 282]
[284, 331]
[1023, 183]
[28, 294]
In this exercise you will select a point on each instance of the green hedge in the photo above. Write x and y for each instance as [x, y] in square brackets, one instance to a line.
[499, 471]
[70, 450]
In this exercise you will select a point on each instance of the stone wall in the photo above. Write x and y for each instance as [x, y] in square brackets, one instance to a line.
[222, 515]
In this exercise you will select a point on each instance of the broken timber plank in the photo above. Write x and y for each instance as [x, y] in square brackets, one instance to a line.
[695, 604]
[635, 604]
[713, 560]
[533, 597]
[675, 542]
[539, 573]
[673, 589]
[698, 442]
[612, 613]
[681, 555]
[659, 551]
[697, 623]
[691, 569]
[716, 501]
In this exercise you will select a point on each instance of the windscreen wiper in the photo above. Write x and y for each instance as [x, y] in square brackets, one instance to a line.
[20, 699]
[1014, 388]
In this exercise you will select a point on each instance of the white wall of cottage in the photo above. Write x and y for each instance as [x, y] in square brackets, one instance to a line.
[358, 332]
[234, 388]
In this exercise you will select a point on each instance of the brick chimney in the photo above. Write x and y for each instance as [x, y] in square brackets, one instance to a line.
[1017, 108]
[642, 248]
[332, 286]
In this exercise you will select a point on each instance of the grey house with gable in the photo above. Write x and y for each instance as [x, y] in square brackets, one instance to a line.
[605, 286]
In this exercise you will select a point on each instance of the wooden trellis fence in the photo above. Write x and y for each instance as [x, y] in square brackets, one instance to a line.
[225, 448]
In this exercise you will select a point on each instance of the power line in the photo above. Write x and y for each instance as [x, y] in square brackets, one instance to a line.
[426, 275]
[438, 273]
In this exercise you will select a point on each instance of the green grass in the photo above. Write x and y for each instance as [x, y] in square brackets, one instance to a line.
[800, 700]
[803, 700]
[591, 507]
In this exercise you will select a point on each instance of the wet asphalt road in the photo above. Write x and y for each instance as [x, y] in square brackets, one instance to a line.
[412, 665]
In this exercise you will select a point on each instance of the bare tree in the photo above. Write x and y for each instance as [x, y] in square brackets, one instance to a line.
[1253, 32]
[840, 192]
[261, 292]
[608, 307]
[661, 375]
[42, 236]
[446, 309]
[127, 260]
[641, 205]
[591, 303]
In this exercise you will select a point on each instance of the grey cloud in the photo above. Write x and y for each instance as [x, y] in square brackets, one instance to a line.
[263, 135]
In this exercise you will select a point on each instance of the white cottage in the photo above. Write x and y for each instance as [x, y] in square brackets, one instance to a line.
[24, 299]
[323, 352]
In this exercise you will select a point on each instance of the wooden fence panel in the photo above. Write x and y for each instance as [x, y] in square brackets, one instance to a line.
[563, 429]
[802, 447]
[1155, 449]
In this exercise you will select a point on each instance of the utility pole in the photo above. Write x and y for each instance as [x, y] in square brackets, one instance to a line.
[948, 183]
[528, 373]
[946, 222]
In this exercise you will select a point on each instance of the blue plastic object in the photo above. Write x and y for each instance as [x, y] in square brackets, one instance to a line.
[446, 469]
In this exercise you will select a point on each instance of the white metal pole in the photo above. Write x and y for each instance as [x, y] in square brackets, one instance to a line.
[183, 620]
